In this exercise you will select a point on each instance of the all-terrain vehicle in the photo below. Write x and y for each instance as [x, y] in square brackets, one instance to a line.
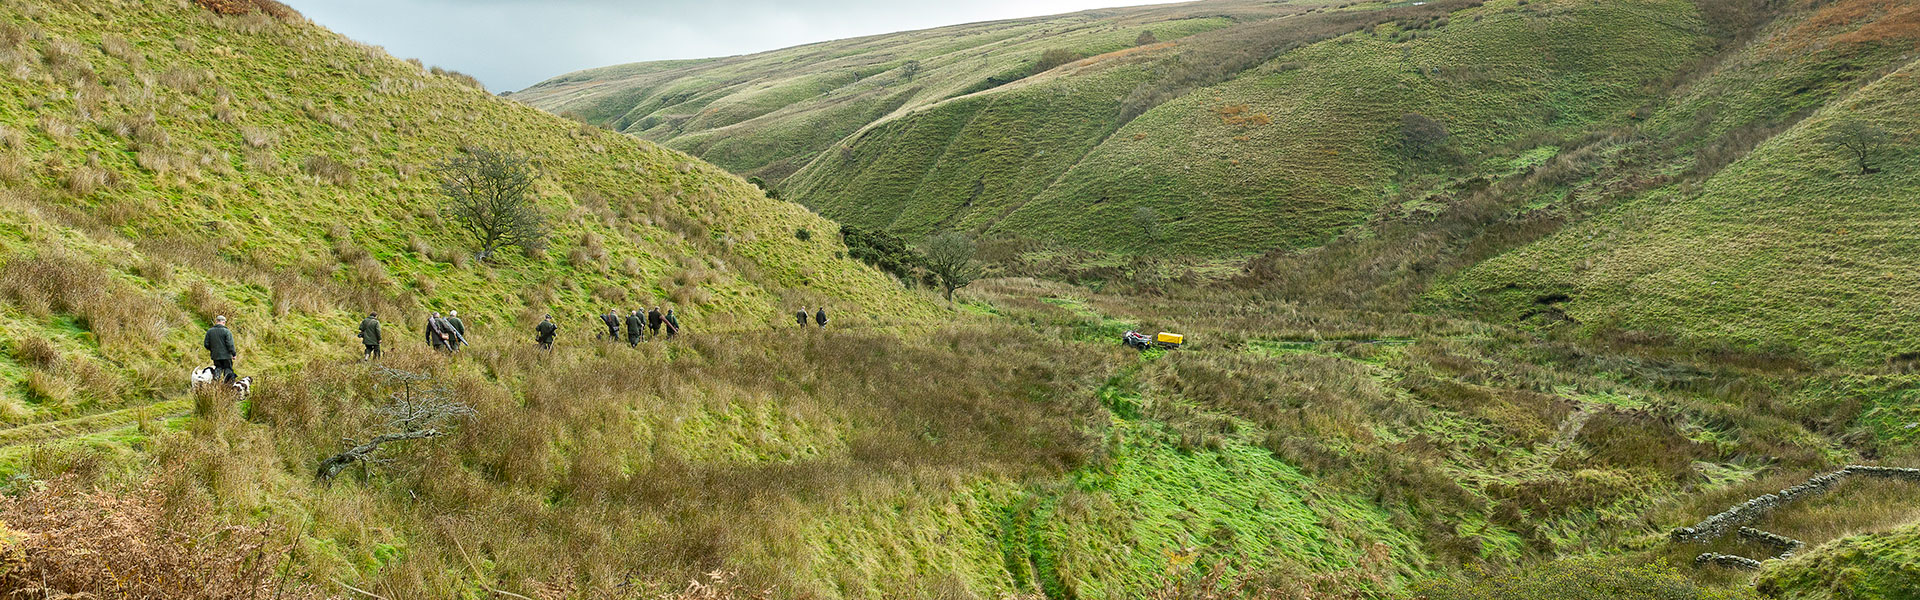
[1165, 341]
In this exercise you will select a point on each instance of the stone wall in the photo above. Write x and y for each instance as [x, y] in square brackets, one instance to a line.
[1735, 519]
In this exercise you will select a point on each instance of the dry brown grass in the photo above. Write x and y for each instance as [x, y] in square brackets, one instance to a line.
[256, 137]
[458, 77]
[116, 312]
[903, 413]
[78, 543]
[328, 170]
[35, 352]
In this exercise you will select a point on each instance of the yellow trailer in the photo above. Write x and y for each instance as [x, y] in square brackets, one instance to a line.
[1169, 341]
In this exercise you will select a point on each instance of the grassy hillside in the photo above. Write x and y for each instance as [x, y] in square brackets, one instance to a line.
[157, 171]
[1263, 131]
[1787, 250]
[771, 113]
[1876, 565]
[160, 164]
[1288, 153]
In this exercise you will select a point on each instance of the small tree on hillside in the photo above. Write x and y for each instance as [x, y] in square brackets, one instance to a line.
[1146, 39]
[490, 194]
[910, 70]
[1422, 137]
[886, 252]
[951, 256]
[771, 192]
[1860, 139]
[1148, 220]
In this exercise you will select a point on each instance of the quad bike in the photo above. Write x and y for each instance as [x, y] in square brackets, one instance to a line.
[1164, 341]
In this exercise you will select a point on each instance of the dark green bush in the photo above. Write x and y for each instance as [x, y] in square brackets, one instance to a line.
[884, 251]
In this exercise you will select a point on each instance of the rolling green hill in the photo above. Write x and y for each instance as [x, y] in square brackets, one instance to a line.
[152, 182]
[1272, 128]
[1789, 249]
[1406, 405]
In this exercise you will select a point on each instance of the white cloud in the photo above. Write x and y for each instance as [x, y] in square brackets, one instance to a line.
[511, 44]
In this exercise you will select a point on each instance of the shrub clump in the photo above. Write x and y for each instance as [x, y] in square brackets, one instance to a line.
[884, 251]
[326, 169]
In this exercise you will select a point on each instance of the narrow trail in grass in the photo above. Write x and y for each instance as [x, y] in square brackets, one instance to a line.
[92, 424]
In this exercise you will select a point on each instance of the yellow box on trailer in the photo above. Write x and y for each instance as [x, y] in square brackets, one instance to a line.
[1171, 338]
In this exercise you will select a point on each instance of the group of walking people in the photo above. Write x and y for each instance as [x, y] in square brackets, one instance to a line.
[819, 317]
[449, 333]
[640, 326]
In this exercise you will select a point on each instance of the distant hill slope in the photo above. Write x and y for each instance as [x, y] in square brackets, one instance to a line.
[1788, 250]
[1232, 135]
[165, 165]
[772, 113]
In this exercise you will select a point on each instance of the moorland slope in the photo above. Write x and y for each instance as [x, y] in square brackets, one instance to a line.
[1262, 129]
[1318, 437]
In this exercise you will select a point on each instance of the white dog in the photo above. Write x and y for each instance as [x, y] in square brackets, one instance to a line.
[203, 376]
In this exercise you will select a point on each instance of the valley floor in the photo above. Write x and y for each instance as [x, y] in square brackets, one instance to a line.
[1016, 450]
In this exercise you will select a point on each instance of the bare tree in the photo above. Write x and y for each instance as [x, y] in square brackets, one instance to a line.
[1148, 220]
[417, 408]
[951, 256]
[490, 193]
[1861, 139]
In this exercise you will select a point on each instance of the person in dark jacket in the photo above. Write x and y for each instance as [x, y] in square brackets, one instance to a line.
[439, 333]
[673, 323]
[459, 330]
[544, 332]
[655, 320]
[370, 336]
[612, 321]
[219, 345]
[820, 317]
[636, 328]
[801, 317]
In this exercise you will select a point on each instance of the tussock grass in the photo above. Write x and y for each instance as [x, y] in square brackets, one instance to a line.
[830, 415]
[328, 170]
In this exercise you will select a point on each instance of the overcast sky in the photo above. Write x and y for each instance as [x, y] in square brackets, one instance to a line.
[512, 44]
